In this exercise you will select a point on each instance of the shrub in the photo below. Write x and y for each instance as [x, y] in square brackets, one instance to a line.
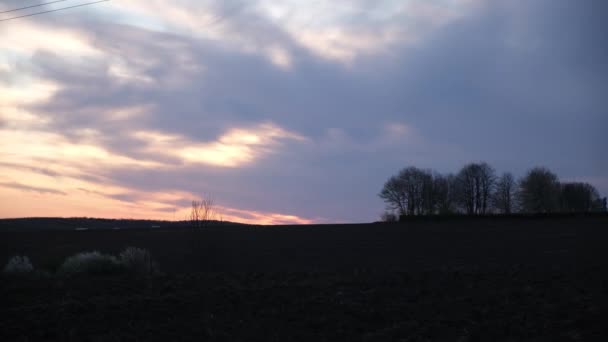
[91, 263]
[138, 261]
[18, 265]
[389, 216]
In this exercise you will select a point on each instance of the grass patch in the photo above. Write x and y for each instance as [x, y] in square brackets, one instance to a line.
[138, 261]
[91, 263]
[18, 265]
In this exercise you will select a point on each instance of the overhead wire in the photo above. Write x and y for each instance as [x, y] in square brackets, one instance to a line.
[53, 10]
[32, 6]
[231, 11]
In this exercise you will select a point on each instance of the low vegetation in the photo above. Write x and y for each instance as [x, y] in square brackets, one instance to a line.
[93, 263]
[132, 260]
[18, 265]
[138, 261]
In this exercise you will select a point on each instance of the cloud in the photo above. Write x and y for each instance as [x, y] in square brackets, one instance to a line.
[56, 148]
[24, 187]
[234, 148]
[13, 97]
[28, 37]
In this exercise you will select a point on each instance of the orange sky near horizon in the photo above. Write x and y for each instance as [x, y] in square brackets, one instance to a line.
[44, 173]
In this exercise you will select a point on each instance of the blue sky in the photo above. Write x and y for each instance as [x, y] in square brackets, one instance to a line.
[292, 111]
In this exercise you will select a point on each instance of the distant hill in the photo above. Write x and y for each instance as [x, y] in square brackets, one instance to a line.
[87, 223]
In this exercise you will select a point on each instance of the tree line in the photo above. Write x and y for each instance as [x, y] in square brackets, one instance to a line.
[477, 190]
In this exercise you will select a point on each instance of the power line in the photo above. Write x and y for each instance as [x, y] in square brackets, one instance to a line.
[55, 10]
[32, 6]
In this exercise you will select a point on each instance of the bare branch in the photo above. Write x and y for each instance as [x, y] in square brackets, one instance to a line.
[202, 212]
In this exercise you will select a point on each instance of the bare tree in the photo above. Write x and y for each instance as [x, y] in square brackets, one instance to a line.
[394, 195]
[476, 190]
[578, 197]
[488, 181]
[466, 192]
[445, 194]
[415, 180]
[202, 212]
[504, 193]
[539, 191]
[600, 205]
[410, 192]
[475, 182]
[429, 192]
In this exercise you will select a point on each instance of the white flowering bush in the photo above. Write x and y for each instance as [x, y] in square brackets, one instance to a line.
[91, 263]
[138, 261]
[18, 265]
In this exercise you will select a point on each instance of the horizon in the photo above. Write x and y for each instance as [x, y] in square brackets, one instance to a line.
[292, 112]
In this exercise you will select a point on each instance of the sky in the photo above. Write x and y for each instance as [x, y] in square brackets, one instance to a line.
[293, 111]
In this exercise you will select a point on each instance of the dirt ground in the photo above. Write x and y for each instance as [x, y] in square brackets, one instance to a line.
[446, 280]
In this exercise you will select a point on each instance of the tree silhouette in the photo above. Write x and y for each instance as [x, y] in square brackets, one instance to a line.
[410, 192]
[445, 193]
[539, 191]
[476, 190]
[393, 193]
[475, 182]
[504, 193]
[578, 197]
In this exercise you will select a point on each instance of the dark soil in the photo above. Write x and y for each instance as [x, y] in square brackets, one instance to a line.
[454, 280]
